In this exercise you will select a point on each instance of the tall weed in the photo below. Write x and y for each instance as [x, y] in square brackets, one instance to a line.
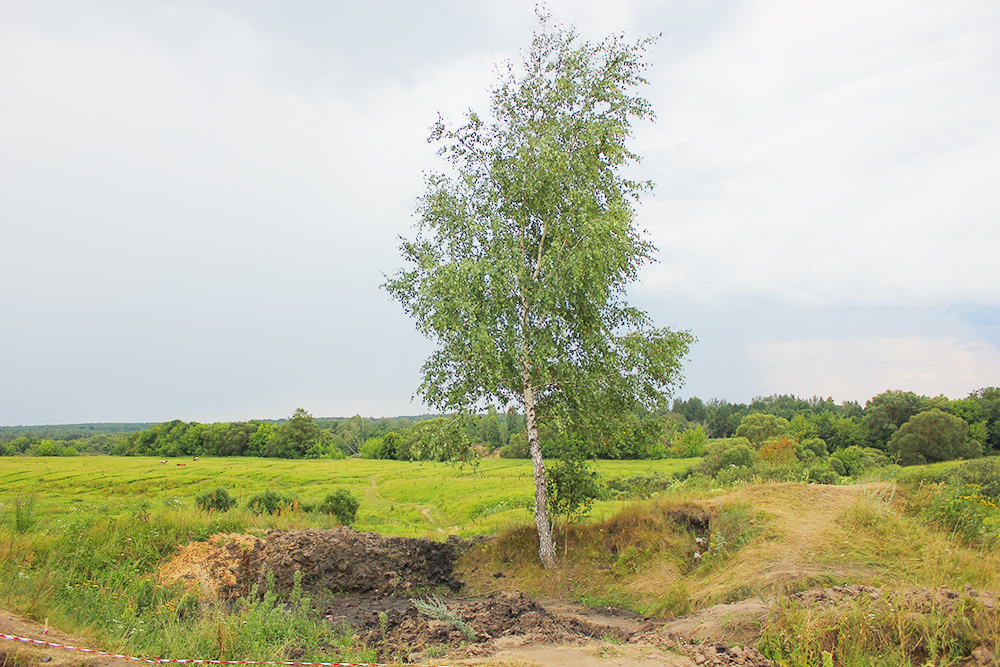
[902, 628]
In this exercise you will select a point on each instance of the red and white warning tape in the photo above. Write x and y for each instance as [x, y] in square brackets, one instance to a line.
[157, 661]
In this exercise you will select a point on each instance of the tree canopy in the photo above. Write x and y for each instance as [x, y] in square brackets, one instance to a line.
[524, 251]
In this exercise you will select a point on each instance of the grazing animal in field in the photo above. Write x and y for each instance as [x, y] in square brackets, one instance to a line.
[196, 458]
[162, 462]
[182, 464]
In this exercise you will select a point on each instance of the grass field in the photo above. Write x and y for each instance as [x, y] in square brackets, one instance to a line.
[397, 498]
[102, 525]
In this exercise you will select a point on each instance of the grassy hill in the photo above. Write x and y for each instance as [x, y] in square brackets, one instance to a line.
[80, 539]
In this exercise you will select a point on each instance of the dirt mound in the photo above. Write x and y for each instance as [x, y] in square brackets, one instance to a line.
[502, 621]
[918, 600]
[475, 621]
[219, 569]
[335, 561]
[735, 622]
[343, 560]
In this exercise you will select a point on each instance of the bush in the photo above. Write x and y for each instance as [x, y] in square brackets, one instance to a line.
[268, 502]
[21, 509]
[218, 499]
[726, 453]
[371, 449]
[572, 487]
[690, 443]
[983, 473]
[857, 460]
[932, 436]
[517, 449]
[824, 473]
[837, 465]
[739, 456]
[964, 510]
[341, 505]
[781, 449]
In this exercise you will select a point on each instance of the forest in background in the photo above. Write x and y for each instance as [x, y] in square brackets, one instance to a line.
[898, 426]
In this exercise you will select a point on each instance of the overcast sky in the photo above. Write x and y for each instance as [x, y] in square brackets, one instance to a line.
[199, 199]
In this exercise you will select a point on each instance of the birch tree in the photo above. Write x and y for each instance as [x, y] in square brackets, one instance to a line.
[524, 248]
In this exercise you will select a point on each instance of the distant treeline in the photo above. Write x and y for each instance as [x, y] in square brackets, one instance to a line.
[816, 423]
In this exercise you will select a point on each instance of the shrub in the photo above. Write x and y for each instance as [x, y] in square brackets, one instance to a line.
[517, 449]
[963, 510]
[727, 453]
[824, 473]
[690, 443]
[856, 459]
[781, 449]
[341, 505]
[372, 449]
[837, 465]
[268, 502]
[932, 436]
[219, 500]
[740, 456]
[983, 473]
[572, 487]
[815, 445]
[639, 486]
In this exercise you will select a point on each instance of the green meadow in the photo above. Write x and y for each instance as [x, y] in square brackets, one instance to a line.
[397, 498]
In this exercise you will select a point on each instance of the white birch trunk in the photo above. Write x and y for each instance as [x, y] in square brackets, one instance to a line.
[546, 546]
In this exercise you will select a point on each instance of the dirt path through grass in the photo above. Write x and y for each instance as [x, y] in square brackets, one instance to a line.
[803, 542]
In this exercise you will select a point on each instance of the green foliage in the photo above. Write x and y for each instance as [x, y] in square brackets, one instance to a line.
[372, 448]
[438, 610]
[737, 456]
[299, 437]
[439, 439]
[638, 487]
[882, 630]
[931, 436]
[342, 505]
[268, 502]
[887, 412]
[964, 510]
[689, 444]
[723, 418]
[840, 431]
[218, 500]
[523, 258]
[857, 460]
[759, 427]
[824, 473]
[984, 474]
[21, 511]
[519, 268]
[735, 526]
[517, 448]
[727, 453]
[573, 487]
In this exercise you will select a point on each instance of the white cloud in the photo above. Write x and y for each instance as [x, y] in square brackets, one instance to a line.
[198, 198]
[840, 152]
[861, 367]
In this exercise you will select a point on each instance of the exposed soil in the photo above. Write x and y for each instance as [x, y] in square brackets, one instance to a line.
[376, 585]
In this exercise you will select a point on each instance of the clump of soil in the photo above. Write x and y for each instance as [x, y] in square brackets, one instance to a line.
[343, 560]
[219, 569]
[336, 561]
[918, 600]
[499, 614]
